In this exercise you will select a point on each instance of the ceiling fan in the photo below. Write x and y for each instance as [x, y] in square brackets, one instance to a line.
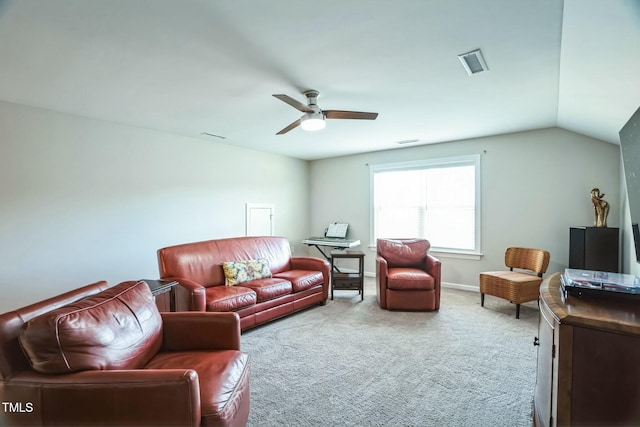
[313, 117]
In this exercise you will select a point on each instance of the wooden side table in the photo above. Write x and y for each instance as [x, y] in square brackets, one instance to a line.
[347, 281]
[159, 287]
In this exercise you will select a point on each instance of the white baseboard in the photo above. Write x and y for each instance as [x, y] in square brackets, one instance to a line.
[461, 287]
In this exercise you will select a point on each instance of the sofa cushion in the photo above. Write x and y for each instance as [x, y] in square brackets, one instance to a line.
[267, 289]
[229, 298]
[403, 253]
[409, 279]
[242, 271]
[118, 328]
[301, 280]
[223, 377]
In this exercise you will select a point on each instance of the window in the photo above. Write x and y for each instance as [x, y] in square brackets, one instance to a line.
[437, 199]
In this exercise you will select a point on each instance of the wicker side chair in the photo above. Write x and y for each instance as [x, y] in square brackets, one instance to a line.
[516, 286]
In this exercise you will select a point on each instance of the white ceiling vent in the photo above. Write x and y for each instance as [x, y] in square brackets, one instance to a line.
[473, 62]
[407, 141]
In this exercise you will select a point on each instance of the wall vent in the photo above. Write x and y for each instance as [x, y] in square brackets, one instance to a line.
[407, 141]
[213, 135]
[473, 62]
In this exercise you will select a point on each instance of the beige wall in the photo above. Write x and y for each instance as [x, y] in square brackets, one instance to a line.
[535, 185]
[84, 200]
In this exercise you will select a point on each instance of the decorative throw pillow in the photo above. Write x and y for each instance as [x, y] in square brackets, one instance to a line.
[242, 271]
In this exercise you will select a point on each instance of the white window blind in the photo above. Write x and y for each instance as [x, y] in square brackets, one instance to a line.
[435, 199]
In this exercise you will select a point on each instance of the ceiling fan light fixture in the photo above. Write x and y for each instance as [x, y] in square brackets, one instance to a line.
[312, 122]
[314, 118]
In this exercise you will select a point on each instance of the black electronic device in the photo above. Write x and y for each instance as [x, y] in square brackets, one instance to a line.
[582, 283]
[630, 149]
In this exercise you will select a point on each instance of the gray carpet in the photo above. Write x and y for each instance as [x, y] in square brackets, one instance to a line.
[351, 363]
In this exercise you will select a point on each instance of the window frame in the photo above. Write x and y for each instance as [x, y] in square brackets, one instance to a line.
[453, 161]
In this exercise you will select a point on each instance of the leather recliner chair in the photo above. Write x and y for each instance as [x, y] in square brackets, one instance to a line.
[103, 355]
[408, 276]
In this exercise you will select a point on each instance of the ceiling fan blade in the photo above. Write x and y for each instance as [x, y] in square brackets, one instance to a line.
[295, 104]
[358, 115]
[288, 128]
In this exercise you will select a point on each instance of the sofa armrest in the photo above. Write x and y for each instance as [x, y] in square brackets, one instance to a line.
[382, 269]
[188, 331]
[312, 264]
[433, 268]
[308, 263]
[110, 398]
[190, 295]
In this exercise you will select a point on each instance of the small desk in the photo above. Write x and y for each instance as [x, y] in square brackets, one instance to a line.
[159, 287]
[347, 281]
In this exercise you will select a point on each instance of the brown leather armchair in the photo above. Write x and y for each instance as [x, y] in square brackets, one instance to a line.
[408, 276]
[106, 356]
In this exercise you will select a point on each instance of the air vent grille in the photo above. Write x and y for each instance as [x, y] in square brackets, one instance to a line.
[213, 135]
[473, 62]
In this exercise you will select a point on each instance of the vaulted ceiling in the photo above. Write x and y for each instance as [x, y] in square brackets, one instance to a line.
[190, 67]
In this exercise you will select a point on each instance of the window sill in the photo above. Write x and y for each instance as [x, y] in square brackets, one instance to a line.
[456, 255]
[447, 254]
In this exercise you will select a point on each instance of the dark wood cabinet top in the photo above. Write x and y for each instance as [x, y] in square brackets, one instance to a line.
[607, 313]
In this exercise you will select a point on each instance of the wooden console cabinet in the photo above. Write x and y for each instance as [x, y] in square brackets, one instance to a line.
[588, 371]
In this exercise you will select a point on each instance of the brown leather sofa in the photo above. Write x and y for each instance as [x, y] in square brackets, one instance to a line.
[408, 276]
[103, 355]
[295, 283]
